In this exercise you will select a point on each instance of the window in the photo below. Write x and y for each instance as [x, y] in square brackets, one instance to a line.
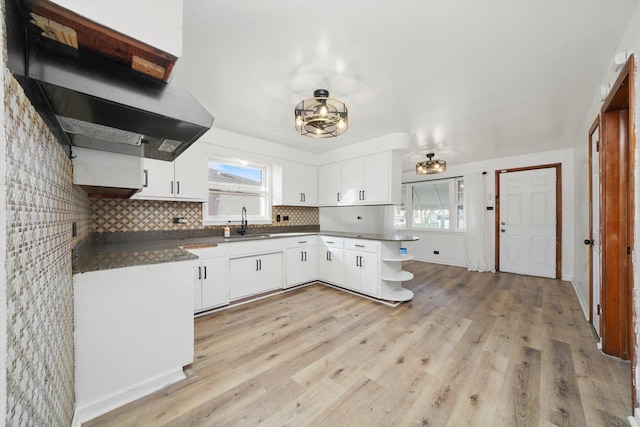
[436, 204]
[234, 186]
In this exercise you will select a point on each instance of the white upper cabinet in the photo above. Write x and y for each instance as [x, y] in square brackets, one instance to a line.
[183, 179]
[295, 184]
[329, 178]
[369, 180]
[106, 174]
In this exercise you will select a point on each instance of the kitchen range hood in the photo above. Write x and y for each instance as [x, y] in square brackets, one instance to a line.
[93, 101]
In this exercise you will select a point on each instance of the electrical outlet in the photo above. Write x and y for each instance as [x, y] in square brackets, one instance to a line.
[74, 229]
[278, 218]
[285, 218]
[436, 252]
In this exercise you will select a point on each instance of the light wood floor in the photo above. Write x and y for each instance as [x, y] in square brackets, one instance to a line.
[470, 349]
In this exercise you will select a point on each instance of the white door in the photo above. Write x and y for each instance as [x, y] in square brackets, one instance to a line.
[528, 222]
[595, 194]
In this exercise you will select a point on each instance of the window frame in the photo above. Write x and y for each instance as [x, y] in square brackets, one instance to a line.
[453, 206]
[237, 188]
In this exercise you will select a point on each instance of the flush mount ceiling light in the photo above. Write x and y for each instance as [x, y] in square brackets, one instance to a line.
[321, 116]
[431, 166]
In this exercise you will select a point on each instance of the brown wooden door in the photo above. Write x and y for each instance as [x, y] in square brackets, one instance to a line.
[616, 220]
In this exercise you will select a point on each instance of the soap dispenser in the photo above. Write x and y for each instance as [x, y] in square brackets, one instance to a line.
[227, 231]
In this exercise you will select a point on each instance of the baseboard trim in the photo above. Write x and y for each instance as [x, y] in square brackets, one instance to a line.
[584, 305]
[435, 261]
[92, 410]
[634, 421]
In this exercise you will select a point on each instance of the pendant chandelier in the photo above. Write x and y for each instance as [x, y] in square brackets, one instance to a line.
[431, 166]
[321, 116]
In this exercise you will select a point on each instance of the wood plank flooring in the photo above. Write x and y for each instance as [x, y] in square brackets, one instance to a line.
[476, 349]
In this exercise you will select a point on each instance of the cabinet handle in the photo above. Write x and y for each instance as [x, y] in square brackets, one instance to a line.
[329, 255]
[302, 197]
[146, 178]
[360, 261]
[171, 187]
[357, 259]
[304, 241]
[331, 243]
[205, 272]
[260, 261]
[338, 197]
[364, 197]
[199, 273]
[301, 255]
[178, 185]
[257, 264]
[360, 246]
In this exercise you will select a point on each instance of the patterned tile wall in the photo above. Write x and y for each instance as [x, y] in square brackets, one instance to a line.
[41, 204]
[117, 215]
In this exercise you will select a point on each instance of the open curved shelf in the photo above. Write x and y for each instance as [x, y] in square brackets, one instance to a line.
[398, 258]
[401, 276]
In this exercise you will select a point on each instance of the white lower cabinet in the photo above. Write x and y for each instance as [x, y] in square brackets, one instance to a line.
[331, 260]
[302, 265]
[210, 283]
[361, 268]
[253, 275]
[361, 271]
[331, 265]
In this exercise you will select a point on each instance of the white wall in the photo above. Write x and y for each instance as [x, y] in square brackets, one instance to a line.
[630, 42]
[353, 219]
[450, 245]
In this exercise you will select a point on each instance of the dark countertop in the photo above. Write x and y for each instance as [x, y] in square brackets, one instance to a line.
[98, 255]
[371, 236]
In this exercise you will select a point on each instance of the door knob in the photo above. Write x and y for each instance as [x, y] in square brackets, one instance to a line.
[503, 223]
[589, 241]
[502, 230]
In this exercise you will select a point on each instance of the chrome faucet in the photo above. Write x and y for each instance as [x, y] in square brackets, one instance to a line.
[244, 224]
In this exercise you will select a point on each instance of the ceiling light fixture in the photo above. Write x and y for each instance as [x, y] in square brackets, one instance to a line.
[431, 166]
[321, 116]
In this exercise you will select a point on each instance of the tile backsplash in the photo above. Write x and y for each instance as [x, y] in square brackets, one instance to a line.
[41, 206]
[118, 215]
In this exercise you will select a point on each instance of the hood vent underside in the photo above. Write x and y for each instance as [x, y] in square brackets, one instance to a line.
[100, 99]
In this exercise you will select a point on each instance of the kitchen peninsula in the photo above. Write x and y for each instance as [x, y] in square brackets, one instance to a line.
[135, 300]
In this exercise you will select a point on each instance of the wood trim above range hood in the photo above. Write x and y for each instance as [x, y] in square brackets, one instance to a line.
[107, 42]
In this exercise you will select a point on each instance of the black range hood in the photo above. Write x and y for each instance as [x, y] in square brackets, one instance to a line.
[93, 102]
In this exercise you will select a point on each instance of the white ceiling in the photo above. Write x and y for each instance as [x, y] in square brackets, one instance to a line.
[468, 79]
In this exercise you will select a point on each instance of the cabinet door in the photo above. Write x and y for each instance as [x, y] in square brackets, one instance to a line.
[300, 184]
[157, 180]
[351, 183]
[197, 285]
[376, 178]
[329, 191]
[215, 282]
[302, 265]
[254, 274]
[331, 265]
[352, 270]
[369, 282]
[190, 169]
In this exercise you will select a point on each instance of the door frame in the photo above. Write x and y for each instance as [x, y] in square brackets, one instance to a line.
[558, 168]
[617, 119]
[595, 125]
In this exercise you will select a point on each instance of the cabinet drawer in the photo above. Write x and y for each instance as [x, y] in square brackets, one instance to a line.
[362, 245]
[300, 241]
[332, 242]
[251, 247]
